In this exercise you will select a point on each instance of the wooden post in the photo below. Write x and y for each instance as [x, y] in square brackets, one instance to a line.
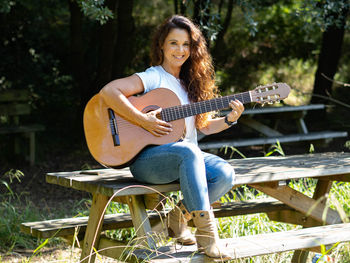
[32, 148]
[140, 220]
[322, 189]
[93, 230]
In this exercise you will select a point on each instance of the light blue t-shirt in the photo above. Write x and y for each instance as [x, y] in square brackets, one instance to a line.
[157, 77]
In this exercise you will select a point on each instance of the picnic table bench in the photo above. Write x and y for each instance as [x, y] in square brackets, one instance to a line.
[266, 174]
[254, 119]
[13, 105]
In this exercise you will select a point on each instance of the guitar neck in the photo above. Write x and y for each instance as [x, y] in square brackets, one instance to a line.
[187, 110]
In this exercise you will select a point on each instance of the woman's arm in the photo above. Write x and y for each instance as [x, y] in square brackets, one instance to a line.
[115, 95]
[218, 124]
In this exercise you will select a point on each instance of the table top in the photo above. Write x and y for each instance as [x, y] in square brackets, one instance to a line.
[119, 182]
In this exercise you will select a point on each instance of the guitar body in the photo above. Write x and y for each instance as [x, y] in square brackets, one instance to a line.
[132, 138]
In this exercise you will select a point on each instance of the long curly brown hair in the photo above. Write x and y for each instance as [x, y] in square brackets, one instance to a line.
[197, 73]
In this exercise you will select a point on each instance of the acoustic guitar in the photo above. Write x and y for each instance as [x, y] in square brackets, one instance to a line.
[115, 142]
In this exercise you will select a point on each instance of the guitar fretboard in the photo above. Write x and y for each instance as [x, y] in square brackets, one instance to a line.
[187, 110]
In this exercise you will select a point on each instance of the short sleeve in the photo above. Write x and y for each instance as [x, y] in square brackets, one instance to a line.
[150, 79]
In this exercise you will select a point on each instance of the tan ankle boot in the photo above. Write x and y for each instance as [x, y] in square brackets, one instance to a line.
[177, 225]
[207, 235]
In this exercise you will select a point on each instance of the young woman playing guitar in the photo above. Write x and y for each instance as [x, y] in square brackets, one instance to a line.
[182, 64]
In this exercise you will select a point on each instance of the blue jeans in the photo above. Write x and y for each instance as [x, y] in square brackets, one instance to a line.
[203, 177]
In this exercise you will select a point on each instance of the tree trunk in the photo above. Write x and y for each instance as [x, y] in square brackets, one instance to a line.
[78, 66]
[77, 50]
[201, 16]
[108, 34]
[123, 48]
[219, 52]
[332, 41]
[176, 9]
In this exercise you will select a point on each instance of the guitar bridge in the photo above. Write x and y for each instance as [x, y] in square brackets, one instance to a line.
[114, 127]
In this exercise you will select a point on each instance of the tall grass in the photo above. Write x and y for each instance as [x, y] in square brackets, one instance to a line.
[12, 216]
[229, 227]
[15, 209]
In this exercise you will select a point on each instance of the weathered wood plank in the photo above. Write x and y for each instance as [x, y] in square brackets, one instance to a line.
[298, 137]
[293, 217]
[317, 210]
[21, 129]
[14, 95]
[68, 226]
[112, 248]
[265, 110]
[260, 127]
[140, 221]
[92, 234]
[15, 109]
[249, 246]
[320, 195]
[248, 171]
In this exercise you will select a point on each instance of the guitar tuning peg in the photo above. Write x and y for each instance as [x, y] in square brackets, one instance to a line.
[270, 102]
[278, 101]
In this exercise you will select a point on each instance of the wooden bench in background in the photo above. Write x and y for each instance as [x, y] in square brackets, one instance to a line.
[13, 105]
[267, 174]
[255, 119]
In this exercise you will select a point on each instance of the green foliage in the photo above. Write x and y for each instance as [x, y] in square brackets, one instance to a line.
[347, 144]
[234, 150]
[12, 217]
[125, 234]
[6, 5]
[296, 72]
[275, 148]
[324, 14]
[95, 9]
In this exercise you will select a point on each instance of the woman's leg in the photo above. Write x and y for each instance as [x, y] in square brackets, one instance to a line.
[220, 176]
[176, 161]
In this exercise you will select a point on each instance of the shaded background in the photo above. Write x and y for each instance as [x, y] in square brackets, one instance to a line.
[64, 52]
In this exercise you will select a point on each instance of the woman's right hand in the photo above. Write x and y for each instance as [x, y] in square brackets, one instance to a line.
[156, 126]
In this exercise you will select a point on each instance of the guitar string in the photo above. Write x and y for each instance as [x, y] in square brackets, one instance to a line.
[183, 111]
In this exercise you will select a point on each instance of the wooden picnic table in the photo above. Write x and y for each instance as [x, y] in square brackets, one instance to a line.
[270, 133]
[267, 174]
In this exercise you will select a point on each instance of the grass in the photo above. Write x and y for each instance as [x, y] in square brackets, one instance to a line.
[228, 227]
[16, 210]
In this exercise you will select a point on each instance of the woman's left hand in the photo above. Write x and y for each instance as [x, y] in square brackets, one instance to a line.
[237, 109]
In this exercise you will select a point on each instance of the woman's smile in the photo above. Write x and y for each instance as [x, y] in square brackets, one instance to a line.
[176, 50]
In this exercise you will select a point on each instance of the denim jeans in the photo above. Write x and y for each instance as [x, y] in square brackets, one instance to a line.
[203, 177]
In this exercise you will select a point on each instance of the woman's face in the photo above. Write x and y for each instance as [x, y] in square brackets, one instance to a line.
[176, 48]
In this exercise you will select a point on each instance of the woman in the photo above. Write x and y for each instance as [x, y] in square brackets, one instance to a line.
[181, 63]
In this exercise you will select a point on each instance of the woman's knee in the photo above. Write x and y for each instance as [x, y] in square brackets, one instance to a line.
[187, 151]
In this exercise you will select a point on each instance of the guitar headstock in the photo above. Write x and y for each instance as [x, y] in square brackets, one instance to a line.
[270, 93]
